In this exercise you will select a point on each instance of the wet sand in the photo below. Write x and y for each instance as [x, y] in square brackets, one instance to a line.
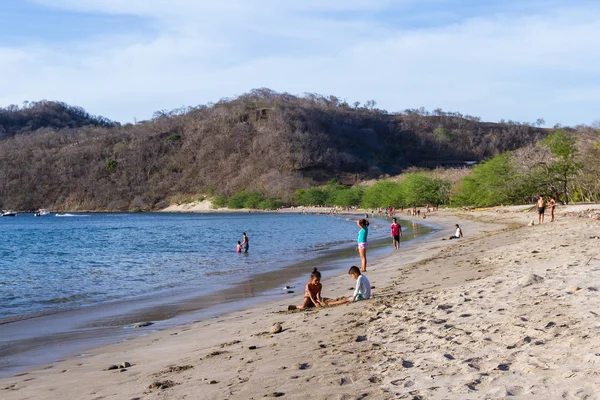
[509, 310]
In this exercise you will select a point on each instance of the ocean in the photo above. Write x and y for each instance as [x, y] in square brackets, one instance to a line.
[107, 270]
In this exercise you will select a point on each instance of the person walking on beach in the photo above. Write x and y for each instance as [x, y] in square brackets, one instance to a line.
[245, 242]
[541, 209]
[396, 233]
[551, 206]
[362, 242]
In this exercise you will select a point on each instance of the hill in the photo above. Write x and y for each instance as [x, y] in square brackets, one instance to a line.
[45, 114]
[55, 155]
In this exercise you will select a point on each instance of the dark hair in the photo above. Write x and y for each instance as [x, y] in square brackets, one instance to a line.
[354, 270]
[456, 225]
[394, 219]
[315, 274]
[243, 233]
[363, 222]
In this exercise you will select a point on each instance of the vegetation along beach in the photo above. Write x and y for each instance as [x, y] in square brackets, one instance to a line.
[336, 200]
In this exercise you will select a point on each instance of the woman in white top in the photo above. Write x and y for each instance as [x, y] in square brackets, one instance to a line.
[458, 233]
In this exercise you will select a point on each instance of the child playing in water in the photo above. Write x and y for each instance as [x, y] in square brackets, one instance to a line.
[362, 290]
[239, 247]
[312, 294]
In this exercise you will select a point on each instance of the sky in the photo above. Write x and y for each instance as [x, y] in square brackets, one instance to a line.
[126, 59]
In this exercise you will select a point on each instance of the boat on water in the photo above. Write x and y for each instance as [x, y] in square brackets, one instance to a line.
[41, 212]
[9, 214]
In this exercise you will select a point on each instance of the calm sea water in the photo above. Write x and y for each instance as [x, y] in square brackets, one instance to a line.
[50, 263]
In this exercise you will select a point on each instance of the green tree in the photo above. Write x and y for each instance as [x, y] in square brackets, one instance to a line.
[253, 200]
[443, 135]
[245, 200]
[270, 204]
[311, 197]
[488, 184]
[382, 194]
[219, 201]
[565, 166]
[348, 197]
[420, 189]
[496, 181]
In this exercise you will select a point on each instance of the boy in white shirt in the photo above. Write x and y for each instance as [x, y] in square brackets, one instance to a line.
[362, 290]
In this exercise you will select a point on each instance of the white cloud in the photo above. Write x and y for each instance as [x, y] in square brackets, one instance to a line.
[496, 66]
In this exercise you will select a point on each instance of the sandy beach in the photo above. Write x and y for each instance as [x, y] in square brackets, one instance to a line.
[509, 310]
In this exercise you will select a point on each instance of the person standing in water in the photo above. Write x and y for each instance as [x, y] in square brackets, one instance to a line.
[245, 243]
[396, 233]
[362, 242]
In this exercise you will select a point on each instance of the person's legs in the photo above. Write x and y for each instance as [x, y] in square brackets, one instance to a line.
[363, 259]
[552, 215]
[336, 303]
[306, 304]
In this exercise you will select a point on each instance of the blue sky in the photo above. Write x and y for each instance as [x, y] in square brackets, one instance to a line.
[125, 59]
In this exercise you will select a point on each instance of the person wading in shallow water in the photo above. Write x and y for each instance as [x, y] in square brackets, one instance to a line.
[245, 243]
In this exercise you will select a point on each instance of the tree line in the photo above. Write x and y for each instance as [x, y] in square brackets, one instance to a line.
[264, 143]
[559, 165]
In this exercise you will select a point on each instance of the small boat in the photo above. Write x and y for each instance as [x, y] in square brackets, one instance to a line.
[41, 212]
[9, 214]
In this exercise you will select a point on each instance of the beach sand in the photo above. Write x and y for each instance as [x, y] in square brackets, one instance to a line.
[510, 310]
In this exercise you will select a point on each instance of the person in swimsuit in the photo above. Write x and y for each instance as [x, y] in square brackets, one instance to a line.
[551, 206]
[541, 208]
[239, 247]
[362, 242]
[312, 292]
[245, 242]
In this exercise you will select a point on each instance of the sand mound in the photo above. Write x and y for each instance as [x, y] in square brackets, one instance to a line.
[529, 280]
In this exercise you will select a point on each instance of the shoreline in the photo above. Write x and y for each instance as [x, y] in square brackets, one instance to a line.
[81, 328]
[406, 342]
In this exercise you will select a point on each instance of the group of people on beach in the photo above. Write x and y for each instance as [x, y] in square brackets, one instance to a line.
[541, 208]
[362, 290]
[313, 289]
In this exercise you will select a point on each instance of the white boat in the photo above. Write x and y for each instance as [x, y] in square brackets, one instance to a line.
[41, 212]
[9, 214]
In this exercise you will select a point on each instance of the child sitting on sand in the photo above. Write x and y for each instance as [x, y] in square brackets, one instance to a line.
[362, 290]
[312, 294]
[239, 247]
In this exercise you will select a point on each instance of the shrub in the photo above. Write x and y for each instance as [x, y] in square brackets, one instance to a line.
[420, 189]
[219, 201]
[111, 165]
[382, 194]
